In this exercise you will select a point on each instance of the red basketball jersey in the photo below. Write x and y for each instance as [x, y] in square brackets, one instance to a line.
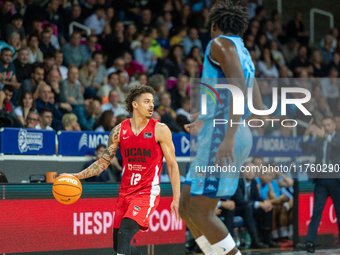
[142, 160]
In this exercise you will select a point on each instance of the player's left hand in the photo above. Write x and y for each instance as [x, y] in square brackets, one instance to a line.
[225, 150]
[174, 208]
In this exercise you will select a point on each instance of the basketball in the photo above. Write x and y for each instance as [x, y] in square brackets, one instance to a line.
[67, 189]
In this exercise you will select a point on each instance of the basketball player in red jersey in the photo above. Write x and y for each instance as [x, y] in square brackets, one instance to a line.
[143, 143]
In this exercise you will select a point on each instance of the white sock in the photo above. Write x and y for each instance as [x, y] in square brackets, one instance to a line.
[290, 230]
[224, 246]
[284, 231]
[205, 246]
[275, 234]
[238, 253]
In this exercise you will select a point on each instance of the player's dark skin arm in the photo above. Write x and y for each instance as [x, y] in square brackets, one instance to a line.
[224, 52]
[101, 164]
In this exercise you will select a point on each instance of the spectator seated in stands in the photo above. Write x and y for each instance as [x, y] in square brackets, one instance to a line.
[34, 83]
[179, 91]
[178, 39]
[5, 13]
[90, 46]
[15, 26]
[23, 69]
[43, 102]
[6, 95]
[253, 209]
[45, 119]
[26, 105]
[131, 65]
[172, 66]
[119, 65]
[113, 104]
[113, 83]
[300, 62]
[59, 58]
[266, 65]
[7, 70]
[321, 111]
[155, 46]
[88, 115]
[96, 22]
[192, 40]
[191, 68]
[32, 120]
[73, 51]
[335, 62]
[269, 190]
[70, 122]
[319, 68]
[183, 113]
[101, 77]
[145, 56]
[168, 115]
[106, 122]
[327, 50]
[48, 63]
[45, 44]
[103, 176]
[330, 88]
[54, 40]
[53, 15]
[87, 75]
[70, 89]
[35, 54]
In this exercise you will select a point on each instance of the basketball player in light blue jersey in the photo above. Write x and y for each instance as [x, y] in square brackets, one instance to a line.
[225, 57]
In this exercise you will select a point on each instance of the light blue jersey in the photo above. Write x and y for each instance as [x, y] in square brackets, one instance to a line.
[220, 184]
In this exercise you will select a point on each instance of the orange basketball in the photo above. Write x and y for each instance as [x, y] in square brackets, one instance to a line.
[67, 189]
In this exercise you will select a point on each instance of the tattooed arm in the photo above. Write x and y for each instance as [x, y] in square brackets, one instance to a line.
[101, 164]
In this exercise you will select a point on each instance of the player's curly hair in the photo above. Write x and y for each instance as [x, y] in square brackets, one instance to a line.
[135, 92]
[229, 17]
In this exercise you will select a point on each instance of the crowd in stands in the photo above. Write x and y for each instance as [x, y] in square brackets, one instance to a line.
[57, 75]
[46, 63]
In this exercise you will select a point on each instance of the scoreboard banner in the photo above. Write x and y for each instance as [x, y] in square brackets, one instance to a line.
[35, 225]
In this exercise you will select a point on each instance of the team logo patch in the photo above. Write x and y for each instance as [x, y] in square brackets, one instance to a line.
[148, 135]
[134, 213]
[129, 166]
[124, 131]
[137, 208]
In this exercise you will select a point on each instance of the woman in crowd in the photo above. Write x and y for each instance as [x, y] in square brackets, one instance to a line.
[266, 65]
[35, 54]
[26, 105]
[106, 122]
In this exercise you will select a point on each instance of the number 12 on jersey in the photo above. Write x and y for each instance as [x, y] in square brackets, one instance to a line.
[135, 178]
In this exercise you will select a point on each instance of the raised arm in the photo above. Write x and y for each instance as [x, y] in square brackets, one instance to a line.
[101, 164]
[164, 137]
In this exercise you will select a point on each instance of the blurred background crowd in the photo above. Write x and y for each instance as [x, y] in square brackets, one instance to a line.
[68, 65]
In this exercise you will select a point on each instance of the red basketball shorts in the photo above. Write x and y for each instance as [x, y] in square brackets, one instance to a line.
[136, 207]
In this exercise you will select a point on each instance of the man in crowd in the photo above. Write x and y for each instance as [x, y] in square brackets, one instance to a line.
[7, 70]
[45, 44]
[23, 69]
[5, 96]
[96, 22]
[88, 115]
[45, 119]
[70, 89]
[32, 119]
[113, 104]
[34, 83]
[73, 51]
[145, 56]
